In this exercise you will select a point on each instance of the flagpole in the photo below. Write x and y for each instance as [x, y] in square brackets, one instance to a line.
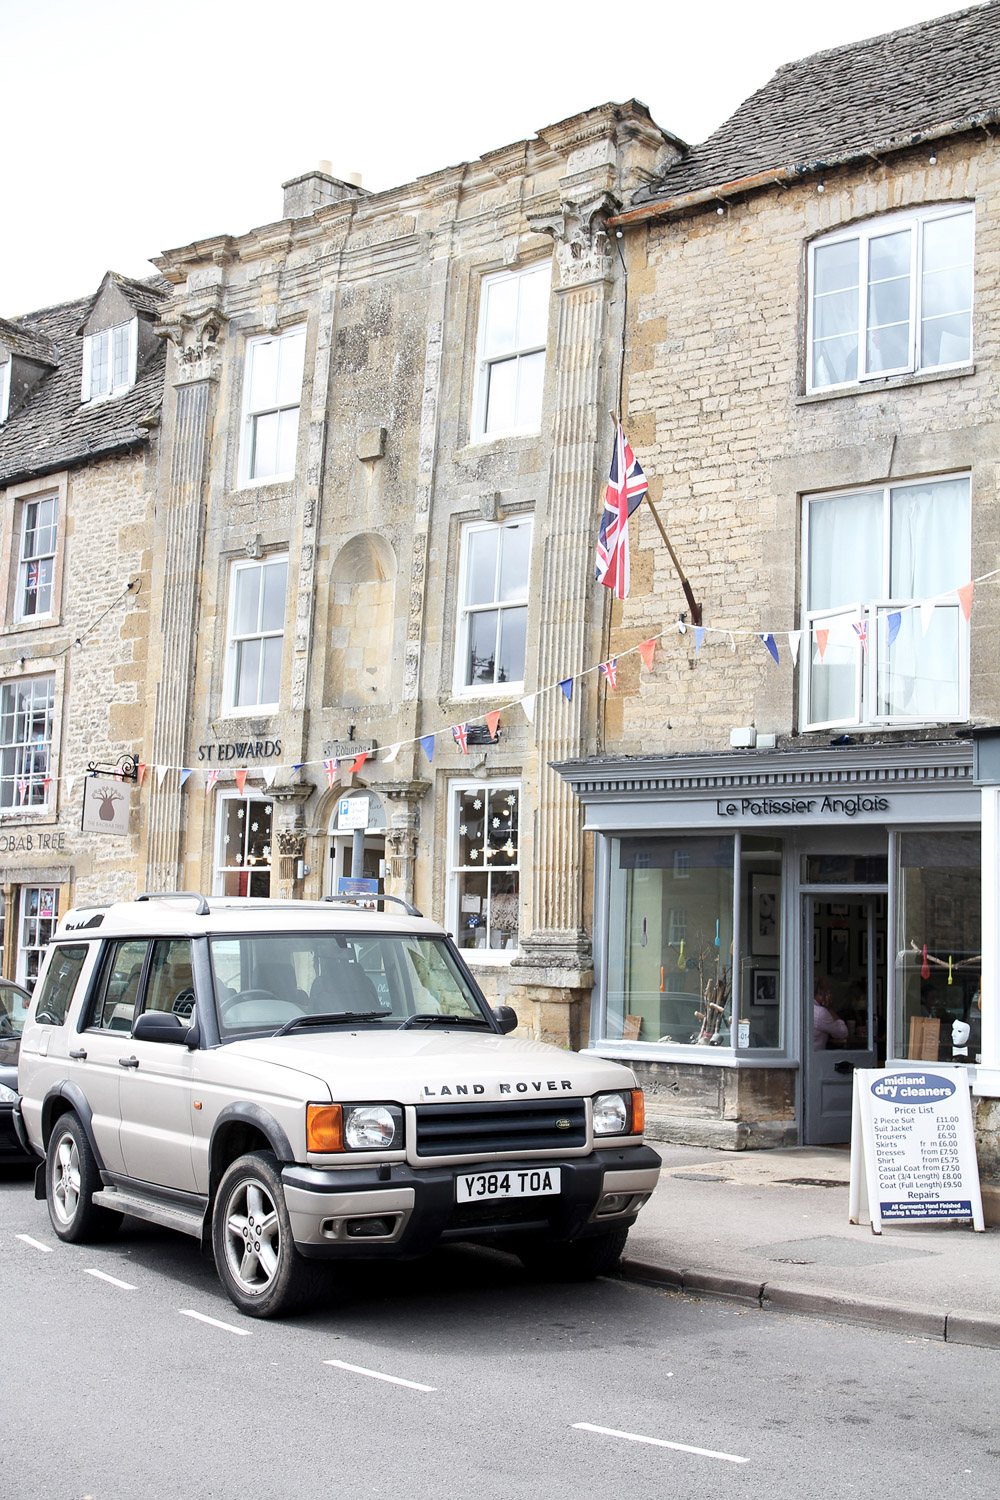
[693, 604]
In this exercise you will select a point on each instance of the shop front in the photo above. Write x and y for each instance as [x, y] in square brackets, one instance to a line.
[765, 923]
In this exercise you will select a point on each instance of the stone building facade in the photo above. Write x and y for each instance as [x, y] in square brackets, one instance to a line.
[385, 429]
[80, 391]
[787, 797]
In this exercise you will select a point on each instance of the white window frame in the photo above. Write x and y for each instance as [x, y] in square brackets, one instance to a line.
[467, 611]
[28, 749]
[250, 414]
[219, 867]
[34, 931]
[843, 616]
[455, 871]
[863, 233]
[234, 640]
[91, 343]
[485, 362]
[5, 390]
[21, 614]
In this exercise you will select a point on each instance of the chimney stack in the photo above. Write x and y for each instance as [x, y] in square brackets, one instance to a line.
[305, 194]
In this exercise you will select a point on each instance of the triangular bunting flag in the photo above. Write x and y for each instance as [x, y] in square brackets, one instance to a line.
[358, 762]
[822, 636]
[161, 771]
[389, 755]
[269, 775]
[70, 784]
[427, 744]
[140, 771]
[699, 636]
[185, 773]
[771, 645]
[895, 619]
[646, 651]
[460, 734]
[927, 608]
[213, 777]
[330, 767]
[965, 599]
[860, 628]
[609, 669]
[567, 687]
[241, 779]
[794, 637]
[492, 720]
[528, 704]
[298, 765]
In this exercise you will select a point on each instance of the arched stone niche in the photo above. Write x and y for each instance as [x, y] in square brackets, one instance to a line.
[363, 585]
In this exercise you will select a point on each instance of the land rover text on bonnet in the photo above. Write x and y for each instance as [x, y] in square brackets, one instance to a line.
[305, 1082]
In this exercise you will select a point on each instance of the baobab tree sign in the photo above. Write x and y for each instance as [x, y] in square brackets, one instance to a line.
[106, 803]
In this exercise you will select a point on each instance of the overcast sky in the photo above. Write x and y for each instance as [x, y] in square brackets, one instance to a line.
[132, 127]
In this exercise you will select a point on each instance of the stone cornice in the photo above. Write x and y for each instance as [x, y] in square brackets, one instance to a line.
[938, 763]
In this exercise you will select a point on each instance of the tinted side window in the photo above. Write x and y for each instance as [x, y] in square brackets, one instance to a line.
[119, 987]
[59, 983]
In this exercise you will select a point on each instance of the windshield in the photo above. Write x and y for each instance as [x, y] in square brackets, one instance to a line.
[269, 980]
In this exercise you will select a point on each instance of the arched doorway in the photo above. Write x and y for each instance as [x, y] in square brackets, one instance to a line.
[340, 862]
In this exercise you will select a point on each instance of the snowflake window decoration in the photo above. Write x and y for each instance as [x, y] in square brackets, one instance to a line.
[241, 813]
[253, 827]
[511, 800]
[496, 822]
[478, 803]
[473, 853]
[267, 809]
[463, 829]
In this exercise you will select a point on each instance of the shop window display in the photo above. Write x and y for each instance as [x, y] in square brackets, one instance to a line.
[939, 947]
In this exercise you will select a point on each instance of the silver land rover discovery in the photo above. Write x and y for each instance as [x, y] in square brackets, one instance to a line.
[308, 1082]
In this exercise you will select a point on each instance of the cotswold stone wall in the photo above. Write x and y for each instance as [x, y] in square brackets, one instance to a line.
[720, 422]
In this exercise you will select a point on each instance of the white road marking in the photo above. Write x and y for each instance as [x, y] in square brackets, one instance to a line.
[35, 1244]
[412, 1385]
[188, 1312]
[635, 1437]
[126, 1286]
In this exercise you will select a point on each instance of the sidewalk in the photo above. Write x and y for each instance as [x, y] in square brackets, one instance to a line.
[771, 1229]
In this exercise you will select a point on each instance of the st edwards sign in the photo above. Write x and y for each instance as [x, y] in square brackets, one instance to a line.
[226, 750]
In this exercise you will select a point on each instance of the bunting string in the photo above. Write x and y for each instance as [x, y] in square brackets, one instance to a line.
[834, 625]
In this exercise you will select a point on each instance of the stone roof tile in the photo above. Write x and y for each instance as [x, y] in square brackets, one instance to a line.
[842, 103]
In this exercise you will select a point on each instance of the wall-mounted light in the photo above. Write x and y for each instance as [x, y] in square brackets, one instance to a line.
[821, 187]
[932, 159]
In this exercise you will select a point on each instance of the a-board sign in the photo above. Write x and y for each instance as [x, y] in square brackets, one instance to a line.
[106, 804]
[348, 886]
[352, 812]
[913, 1151]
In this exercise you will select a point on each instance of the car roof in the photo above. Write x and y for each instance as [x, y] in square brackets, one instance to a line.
[190, 915]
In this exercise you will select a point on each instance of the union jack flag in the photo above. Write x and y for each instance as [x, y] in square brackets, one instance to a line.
[31, 579]
[213, 777]
[330, 767]
[609, 669]
[22, 790]
[861, 630]
[626, 488]
[461, 736]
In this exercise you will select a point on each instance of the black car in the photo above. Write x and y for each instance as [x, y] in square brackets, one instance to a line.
[14, 1002]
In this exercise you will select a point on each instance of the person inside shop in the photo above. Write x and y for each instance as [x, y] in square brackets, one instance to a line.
[827, 1025]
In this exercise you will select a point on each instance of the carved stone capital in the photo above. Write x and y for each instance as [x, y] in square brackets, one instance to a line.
[583, 249]
[291, 845]
[195, 335]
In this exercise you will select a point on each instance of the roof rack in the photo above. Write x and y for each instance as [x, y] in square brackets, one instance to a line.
[202, 908]
[411, 911]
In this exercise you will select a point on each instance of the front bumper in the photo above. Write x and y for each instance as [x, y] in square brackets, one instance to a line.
[398, 1213]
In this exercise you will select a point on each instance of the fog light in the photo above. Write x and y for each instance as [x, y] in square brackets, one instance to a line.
[370, 1229]
[614, 1203]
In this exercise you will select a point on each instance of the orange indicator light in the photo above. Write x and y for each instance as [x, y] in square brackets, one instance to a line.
[324, 1127]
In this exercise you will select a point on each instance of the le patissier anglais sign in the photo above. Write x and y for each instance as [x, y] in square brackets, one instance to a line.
[913, 1151]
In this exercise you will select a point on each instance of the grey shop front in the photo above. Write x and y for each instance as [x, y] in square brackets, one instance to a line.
[732, 888]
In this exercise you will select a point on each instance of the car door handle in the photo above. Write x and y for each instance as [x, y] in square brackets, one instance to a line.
[80, 1055]
[128, 1062]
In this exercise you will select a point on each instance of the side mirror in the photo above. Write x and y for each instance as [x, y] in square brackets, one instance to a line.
[160, 1026]
[505, 1017]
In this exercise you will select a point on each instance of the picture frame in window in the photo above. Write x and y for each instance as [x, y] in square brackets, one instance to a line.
[838, 952]
[766, 983]
[765, 915]
[863, 947]
[817, 945]
[838, 909]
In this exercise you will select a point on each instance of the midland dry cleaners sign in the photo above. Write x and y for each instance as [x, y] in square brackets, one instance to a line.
[913, 1152]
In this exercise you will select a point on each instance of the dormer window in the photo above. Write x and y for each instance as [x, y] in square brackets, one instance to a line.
[109, 361]
[4, 390]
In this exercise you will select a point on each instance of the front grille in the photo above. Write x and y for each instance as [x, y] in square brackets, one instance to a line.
[482, 1129]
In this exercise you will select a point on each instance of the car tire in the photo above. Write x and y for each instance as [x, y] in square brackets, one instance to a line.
[255, 1254]
[575, 1260]
[72, 1177]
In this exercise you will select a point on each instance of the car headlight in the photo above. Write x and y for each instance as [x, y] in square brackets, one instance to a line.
[7, 1096]
[354, 1127]
[619, 1114]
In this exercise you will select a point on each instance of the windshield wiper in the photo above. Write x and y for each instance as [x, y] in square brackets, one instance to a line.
[435, 1018]
[333, 1018]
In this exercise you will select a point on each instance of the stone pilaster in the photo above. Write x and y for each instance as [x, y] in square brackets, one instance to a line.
[554, 970]
[401, 835]
[183, 526]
